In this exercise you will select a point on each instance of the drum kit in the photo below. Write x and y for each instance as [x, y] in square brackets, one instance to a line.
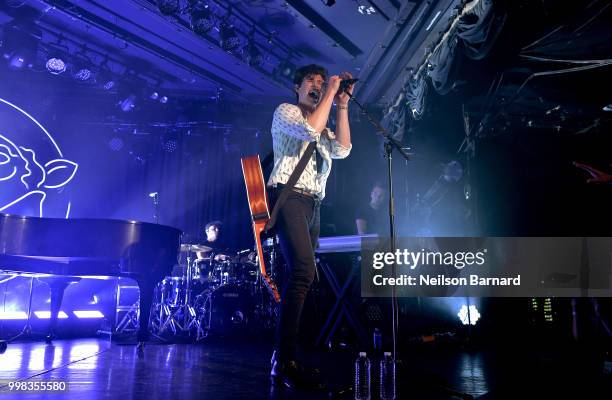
[211, 293]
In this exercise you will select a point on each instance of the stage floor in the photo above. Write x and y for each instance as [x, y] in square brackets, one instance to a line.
[100, 369]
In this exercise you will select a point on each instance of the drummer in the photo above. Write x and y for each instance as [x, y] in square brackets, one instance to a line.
[212, 230]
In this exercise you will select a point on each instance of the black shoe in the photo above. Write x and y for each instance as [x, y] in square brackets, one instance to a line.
[294, 376]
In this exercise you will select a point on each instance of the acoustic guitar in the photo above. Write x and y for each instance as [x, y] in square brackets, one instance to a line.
[260, 213]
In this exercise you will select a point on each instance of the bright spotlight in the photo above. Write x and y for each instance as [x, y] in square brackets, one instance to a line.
[88, 314]
[47, 315]
[13, 315]
[470, 318]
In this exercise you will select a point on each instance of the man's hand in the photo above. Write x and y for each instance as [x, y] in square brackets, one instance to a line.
[597, 175]
[333, 84]
[343, 98]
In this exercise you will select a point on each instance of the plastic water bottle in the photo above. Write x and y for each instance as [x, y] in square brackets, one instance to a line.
[362, 377]
[387, 377]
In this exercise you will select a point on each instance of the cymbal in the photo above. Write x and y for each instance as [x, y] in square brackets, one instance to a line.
[186, 247]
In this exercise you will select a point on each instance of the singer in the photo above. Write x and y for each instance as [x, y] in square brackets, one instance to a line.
[293, 127]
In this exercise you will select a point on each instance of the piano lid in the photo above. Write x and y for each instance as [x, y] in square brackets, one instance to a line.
[83, 237]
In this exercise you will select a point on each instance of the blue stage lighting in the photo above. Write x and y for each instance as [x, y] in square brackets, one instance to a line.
[88, 314]
[115, 144]
[47, 314]
[170, 145]
[128, 103]
[6, 315]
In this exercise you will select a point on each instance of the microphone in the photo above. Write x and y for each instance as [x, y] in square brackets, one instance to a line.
[315, 94]
[345, 83]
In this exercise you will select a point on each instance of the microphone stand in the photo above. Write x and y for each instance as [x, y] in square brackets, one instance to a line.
[390, 144]
[155, 197]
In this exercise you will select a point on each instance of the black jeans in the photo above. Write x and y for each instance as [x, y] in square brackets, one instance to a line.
[298, 227]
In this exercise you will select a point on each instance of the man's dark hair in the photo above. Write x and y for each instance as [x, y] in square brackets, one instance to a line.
[311, 69]
[212, 223]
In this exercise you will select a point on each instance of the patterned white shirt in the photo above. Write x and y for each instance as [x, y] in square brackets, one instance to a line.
[291, 134]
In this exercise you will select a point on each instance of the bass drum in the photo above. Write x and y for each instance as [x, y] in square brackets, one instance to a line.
[231, 308]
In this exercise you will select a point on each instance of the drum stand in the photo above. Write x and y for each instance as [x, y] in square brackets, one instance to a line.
[179, 318]
[27, 329]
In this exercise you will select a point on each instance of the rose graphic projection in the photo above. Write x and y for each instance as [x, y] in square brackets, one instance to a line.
[34, 174]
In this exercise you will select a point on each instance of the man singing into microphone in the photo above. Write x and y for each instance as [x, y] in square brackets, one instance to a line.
[293, 127]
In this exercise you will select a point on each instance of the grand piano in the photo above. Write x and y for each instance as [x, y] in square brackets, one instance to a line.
[69, 248]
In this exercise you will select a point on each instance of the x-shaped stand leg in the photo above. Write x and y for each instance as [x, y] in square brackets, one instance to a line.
[341, 307]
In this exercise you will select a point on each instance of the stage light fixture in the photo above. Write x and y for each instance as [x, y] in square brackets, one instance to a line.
[470, 318]
[154, 95]
[229, 40]
[82, 74]
[130, 91]
[55, 65]
[202, 18]
[170, 142]
[115, 143]
[285, 70]
[328, 3]
[47, 314]
[128, 103]
[168, 7]
[163, 99]
[252, 54]
[16, 61]
[13, 315]
[82, 68]
[106, 79]
[452, 172]
[20, 45]
[365, 10]
[88, 314]
[608, 107]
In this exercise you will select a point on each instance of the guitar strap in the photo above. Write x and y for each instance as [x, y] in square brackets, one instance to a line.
[295, 175]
